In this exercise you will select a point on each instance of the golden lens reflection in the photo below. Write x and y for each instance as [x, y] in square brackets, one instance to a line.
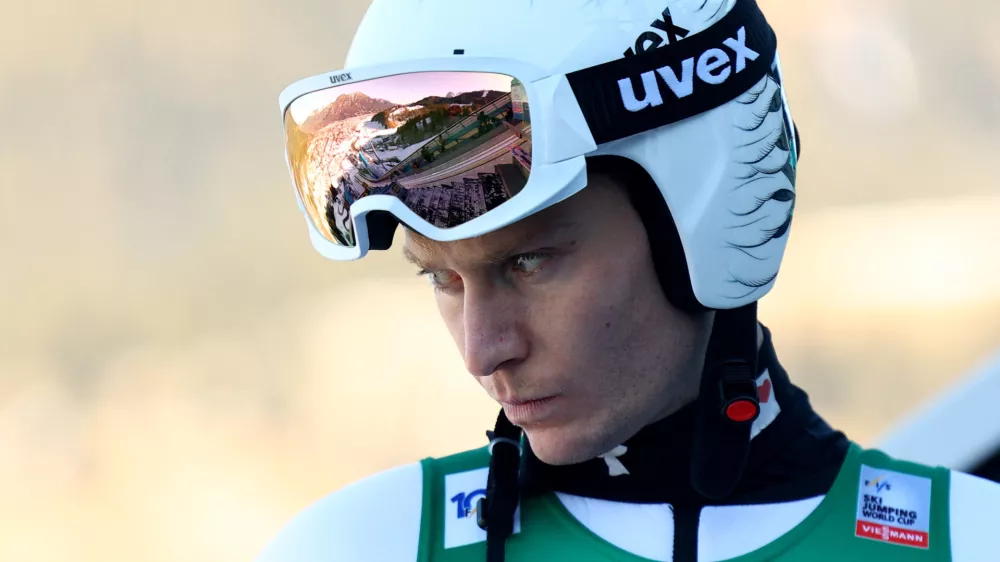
[450, 145]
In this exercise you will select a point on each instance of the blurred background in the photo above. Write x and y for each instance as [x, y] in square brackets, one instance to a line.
[180, 373]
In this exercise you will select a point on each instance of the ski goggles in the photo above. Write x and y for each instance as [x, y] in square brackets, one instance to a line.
[452, 152]
[457, 147]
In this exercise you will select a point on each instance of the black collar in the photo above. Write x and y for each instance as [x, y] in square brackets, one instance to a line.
[797, 456]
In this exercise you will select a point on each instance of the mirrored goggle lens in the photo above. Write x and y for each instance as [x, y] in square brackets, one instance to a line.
[450, 145]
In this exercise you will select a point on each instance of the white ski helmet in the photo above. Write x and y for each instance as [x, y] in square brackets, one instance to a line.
[705, 116]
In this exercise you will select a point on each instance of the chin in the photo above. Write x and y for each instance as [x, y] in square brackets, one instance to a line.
[560, 446]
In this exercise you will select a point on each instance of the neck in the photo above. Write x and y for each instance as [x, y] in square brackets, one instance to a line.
[794, 454]
[671, 410]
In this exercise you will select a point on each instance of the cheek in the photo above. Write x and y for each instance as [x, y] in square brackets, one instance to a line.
[604, 319]
[588, 317]
[450, 309]
[600, 303]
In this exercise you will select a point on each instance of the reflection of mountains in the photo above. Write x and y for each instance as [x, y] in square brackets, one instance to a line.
[479, 97]
[344, 107]
[399, 115]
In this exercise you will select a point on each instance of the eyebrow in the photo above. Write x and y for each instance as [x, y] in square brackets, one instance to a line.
[500, 255]
[412, 258]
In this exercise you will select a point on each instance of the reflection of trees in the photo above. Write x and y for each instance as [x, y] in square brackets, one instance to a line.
[427, 154]
[424, 126]
[483, 122]
[486, 123]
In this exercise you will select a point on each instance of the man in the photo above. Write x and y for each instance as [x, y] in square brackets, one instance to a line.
[598, 263]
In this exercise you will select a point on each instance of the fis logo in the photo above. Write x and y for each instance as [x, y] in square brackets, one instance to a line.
[714, 66]
[880, 483]
[459, 500]
[465, 504]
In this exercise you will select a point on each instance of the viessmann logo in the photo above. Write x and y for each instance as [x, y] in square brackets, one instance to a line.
[894, 507]
[714, 66]
[889, 534]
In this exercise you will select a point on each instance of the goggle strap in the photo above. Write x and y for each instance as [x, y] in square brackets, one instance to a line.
[690, 75]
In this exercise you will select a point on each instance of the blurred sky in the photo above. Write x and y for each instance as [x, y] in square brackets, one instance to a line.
[180, 373]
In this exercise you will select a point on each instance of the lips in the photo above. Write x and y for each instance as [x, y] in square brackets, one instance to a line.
[520, 402]
[526, 412]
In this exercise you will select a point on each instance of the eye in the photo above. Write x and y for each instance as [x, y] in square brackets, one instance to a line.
[441, 279]
[528, 264]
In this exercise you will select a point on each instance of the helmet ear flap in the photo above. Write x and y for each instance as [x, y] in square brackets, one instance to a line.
[664, 240]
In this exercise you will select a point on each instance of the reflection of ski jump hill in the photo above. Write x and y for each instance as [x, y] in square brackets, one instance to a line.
[380, 163]
[452, 136]
[497, 146]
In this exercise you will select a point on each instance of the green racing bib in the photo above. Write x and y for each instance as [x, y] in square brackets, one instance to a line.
[878, 509]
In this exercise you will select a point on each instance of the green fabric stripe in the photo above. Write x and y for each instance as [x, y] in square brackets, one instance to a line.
[427, 524]
[941, 496]
[844, 485]
[550, 532]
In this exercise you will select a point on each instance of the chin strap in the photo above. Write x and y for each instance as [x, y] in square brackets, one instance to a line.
[496, 511]
[727, 403]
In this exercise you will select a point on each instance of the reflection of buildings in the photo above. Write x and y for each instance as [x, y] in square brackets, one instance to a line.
[519, 98]
[512, 177]
[493, 190]
[451, 204]
[449, 162]
[338, 216]
[522, 161]
[456, 202]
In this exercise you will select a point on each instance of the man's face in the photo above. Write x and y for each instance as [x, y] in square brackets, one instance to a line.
[562, 320]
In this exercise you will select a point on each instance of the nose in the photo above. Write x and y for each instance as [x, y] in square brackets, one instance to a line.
[493, 333]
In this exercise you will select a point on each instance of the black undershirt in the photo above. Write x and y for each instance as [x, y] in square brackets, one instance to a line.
[797, 456]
